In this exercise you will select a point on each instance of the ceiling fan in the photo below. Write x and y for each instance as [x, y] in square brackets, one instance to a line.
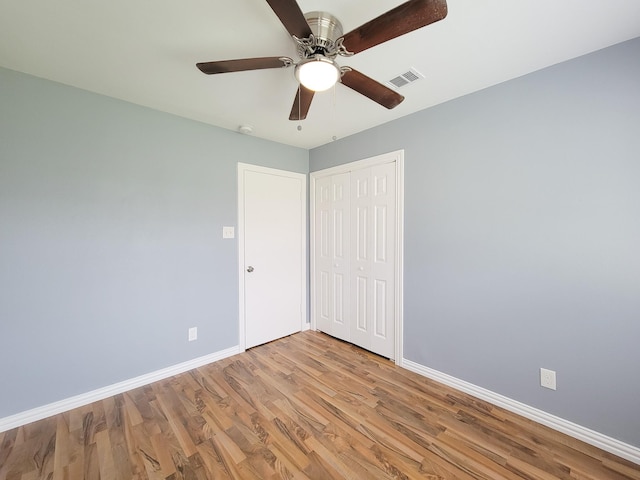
[319, 40]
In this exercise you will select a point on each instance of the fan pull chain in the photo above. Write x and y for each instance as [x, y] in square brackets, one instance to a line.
[299, 101]
[334, 111]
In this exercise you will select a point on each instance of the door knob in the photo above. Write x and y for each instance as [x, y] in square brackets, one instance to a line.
[249, 269]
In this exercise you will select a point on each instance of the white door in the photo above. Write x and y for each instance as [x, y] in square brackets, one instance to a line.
[332, 227]
[373, 210]
[357, 253]
[272, 223]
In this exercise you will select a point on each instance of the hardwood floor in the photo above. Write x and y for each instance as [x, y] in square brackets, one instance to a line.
[305, 406]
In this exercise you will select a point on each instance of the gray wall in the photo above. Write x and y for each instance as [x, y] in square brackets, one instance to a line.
[522, 236]
[111, 242]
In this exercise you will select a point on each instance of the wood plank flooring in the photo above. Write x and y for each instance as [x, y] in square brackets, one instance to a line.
[303, 407]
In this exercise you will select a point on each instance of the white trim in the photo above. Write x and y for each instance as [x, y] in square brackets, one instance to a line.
[399, 350]
[246, 167]
[389, 157]
[35, 414]
[579, 432]
[312, 250]
[396, 157]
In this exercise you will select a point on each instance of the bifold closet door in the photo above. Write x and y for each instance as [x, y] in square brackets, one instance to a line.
[355, 251]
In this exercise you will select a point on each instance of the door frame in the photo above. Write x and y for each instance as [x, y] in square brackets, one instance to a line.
[396, 157]
[246, 167]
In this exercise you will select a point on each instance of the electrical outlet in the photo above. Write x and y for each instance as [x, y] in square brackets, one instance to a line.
[193, 334]
[548, 378]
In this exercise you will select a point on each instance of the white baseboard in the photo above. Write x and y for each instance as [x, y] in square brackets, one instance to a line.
[591, 437]
[19, 419]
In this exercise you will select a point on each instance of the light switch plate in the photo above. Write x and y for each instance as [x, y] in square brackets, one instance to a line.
[228, 232]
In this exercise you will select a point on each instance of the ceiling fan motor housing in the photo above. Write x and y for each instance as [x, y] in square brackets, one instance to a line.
[326, 30]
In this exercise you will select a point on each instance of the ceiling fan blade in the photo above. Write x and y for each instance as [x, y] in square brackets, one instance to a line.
[301, 103]
[291, 17]
[403, 19]
[225, 66]
[372, 89]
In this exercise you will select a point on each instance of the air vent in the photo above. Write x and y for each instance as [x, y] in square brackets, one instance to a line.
[405, 78]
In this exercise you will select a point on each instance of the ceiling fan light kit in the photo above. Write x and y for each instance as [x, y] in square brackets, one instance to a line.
[318, 73]
[319, 40]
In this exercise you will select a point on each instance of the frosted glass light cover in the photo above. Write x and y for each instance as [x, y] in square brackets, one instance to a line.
[317, 74]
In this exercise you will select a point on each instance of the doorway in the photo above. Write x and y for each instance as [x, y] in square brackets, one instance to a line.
[271, 253]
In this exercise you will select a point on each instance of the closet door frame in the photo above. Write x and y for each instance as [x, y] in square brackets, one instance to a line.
[396, 157]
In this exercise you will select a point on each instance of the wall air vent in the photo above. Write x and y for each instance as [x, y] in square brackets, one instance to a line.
[405, 78]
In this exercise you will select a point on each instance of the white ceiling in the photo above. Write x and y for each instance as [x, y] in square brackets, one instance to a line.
[145, 51]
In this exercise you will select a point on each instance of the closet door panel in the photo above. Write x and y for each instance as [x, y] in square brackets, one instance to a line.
[383, 205]
[323, 256]
[341, 215]
[333, 259]
[361, 233]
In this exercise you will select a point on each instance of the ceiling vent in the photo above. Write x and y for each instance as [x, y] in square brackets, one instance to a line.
[412, 75]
